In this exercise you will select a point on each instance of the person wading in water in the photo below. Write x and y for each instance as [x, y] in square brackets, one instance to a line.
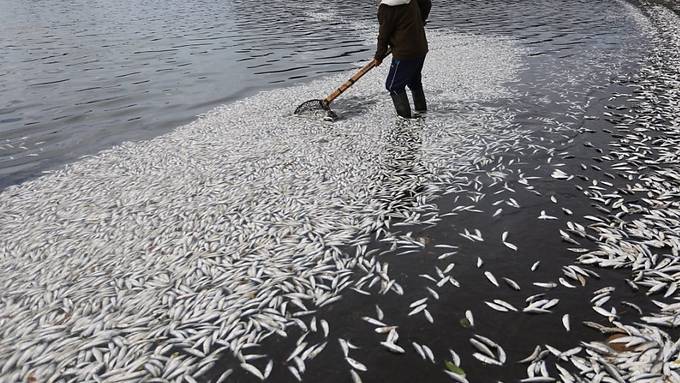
[402, 28]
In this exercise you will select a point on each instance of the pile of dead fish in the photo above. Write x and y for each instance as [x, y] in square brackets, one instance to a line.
[638, 229]
[154, 259]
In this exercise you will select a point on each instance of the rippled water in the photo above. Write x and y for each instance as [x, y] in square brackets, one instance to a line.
[77, 77]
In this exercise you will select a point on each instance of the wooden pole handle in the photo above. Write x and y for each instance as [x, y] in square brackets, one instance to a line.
[359, 74]
[347, 84]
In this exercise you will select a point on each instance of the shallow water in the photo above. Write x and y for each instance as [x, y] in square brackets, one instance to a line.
[79, 77]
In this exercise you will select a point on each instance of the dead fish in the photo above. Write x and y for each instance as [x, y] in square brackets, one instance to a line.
[482, 347]
[505, 304]
[565, 322]
[470, 318]
[374, 322]
[393, 347]
[427, 351]
[496, 307]
[295, 373]
[486, 359]
[544, 216]
[418, 302]
[268, 369]
[417, 309]
[511, 283]
[491, 278]
[419, 350]
[456, 377]
[253, 370]
[355, 364]
[533, 356]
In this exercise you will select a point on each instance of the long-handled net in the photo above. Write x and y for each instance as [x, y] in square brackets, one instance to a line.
[312, 107]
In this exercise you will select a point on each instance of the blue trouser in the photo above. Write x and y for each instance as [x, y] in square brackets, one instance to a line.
[403, 73]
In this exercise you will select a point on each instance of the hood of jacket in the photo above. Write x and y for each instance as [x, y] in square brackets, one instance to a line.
[393, 3]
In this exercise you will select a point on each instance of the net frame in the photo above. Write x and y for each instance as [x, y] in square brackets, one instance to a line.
[312, 106]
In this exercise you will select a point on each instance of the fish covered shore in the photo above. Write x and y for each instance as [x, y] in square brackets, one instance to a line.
[527, 229]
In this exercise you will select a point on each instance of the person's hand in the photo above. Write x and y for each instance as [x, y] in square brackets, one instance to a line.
[377, 61]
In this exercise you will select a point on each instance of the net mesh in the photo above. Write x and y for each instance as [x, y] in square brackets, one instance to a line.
[311, 106]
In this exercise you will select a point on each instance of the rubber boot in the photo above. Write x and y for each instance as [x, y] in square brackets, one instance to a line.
[401, 104]
[419, 102]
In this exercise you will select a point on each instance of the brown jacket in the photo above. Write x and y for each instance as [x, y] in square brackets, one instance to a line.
[402, 29]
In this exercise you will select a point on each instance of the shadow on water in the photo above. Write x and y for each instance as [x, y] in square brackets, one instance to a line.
[353, 107]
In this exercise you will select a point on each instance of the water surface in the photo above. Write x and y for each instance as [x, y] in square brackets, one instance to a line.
[80, 76]
[77, 77]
